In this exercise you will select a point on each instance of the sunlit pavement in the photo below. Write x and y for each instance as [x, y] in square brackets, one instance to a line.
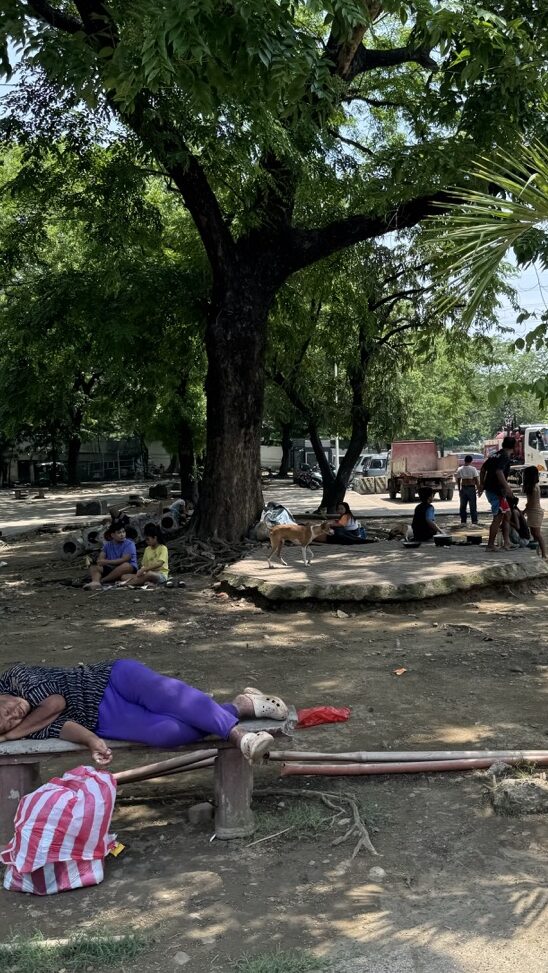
[58, 507]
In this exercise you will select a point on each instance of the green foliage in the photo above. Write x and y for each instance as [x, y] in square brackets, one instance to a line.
[374, 307]
[463, 395]
[97, 298]
[291, 131]
[479, 231]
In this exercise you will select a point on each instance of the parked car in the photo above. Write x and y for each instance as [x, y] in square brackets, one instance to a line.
[478, 459]
[376, 465]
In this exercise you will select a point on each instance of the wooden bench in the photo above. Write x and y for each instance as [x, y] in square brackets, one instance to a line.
[233, 775]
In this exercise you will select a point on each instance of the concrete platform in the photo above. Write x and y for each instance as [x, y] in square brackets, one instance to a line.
[381, 572]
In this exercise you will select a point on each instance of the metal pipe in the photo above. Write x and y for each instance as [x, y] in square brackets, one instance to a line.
[402, 756]
[412, 767]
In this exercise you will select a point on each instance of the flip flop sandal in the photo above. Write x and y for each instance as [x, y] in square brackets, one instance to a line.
[254, 746]
[266, 707]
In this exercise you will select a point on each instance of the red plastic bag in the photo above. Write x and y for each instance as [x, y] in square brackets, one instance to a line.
[317, 715]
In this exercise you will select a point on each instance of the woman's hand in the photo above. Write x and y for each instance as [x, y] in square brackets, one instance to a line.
[100, 753]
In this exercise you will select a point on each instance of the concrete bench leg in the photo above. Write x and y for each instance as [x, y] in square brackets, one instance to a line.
[16, 780]
[233, 792]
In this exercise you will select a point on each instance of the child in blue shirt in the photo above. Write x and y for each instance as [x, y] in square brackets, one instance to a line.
[117, 559]
[424, 519]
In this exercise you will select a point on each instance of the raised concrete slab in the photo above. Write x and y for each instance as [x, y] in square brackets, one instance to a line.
[381, 572]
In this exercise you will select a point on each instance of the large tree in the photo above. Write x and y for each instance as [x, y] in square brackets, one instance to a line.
[247, 107]
[88, 332]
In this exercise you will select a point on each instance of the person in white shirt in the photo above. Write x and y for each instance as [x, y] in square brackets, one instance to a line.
[467, 478]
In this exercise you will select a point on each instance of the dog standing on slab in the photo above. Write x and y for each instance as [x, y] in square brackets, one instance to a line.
[297, 534]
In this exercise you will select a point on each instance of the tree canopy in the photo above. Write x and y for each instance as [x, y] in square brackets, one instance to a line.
[290, 131]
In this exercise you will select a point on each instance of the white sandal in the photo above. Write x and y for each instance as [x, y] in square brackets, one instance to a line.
[255, 745]
[266, 707]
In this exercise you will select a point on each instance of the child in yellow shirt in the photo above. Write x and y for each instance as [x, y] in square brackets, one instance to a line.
[155, 564]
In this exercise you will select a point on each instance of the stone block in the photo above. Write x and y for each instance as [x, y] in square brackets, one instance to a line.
[159, 491]
[521, 795]
[200, 813]
[91, 508]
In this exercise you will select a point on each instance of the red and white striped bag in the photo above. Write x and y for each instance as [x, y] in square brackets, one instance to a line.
[61, 834]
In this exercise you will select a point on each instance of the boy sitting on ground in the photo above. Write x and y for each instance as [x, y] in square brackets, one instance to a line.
[117, 558]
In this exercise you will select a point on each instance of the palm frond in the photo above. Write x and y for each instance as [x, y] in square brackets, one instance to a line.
[480, 227]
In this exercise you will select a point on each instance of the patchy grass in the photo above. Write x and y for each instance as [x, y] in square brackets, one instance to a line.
[285, 961]
[39, 955]
[305, 818]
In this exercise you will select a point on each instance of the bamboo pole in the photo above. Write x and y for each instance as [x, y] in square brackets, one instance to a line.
[410, 767]
[163, 767]
[402, 756]
[139, 778]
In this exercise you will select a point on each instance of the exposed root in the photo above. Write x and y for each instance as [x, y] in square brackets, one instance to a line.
[188, 555]
[335, 802]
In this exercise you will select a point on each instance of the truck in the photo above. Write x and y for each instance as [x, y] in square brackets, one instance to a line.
[531, 450]
[415, 463]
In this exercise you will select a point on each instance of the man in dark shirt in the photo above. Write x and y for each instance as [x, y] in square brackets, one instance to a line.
[497, 490]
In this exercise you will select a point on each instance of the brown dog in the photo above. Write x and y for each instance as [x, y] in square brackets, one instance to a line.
[297, 534]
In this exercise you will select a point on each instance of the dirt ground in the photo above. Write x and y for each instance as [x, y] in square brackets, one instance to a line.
[465, 889]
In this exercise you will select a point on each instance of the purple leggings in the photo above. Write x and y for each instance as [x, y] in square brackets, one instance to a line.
[145, 707]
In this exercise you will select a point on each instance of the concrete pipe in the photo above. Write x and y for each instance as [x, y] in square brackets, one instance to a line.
[93, 537]
[72, 547]
[134, 532]
[168, 523]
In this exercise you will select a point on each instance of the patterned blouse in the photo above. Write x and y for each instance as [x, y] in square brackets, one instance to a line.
[82, 687]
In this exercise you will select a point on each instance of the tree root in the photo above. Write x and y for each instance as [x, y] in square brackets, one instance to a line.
[190, 555]
[335, 802]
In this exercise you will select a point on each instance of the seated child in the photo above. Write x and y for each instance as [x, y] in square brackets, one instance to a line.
[346, 529]
[155, 565]
[117, 559]
[424, 519]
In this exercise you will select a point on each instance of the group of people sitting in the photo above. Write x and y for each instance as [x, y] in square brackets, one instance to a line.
[117, 563]
[515, 525]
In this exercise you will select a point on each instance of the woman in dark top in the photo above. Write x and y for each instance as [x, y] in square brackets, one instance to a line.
[125, 700]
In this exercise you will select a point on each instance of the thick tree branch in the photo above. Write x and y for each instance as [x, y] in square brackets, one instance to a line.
[351, 142]
[373, 102]
[402, 327]
[305, 246]
[397, 296]
[367, 59]
[55, 18]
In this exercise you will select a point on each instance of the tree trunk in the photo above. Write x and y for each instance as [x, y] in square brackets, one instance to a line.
[187, 462]
[172, 465]
[230, 493]
[73, 453]
[54, 454]
[335, 487]
[286, 450]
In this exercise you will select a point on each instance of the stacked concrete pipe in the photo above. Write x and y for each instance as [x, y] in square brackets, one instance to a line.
[72, 546]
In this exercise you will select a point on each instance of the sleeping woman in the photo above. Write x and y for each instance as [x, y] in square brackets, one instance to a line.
[125, 700]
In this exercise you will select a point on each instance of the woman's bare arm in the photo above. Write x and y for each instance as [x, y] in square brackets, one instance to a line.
[75, 733]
